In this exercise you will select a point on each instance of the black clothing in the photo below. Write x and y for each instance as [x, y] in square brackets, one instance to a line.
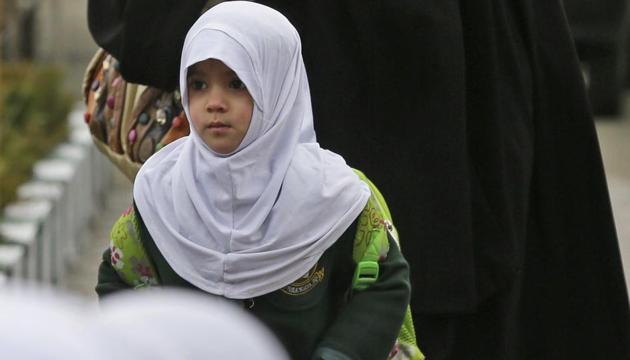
[146, 35]
[317, 314]
[473, 119]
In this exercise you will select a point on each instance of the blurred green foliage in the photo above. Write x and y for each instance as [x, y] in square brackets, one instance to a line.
[33, 119]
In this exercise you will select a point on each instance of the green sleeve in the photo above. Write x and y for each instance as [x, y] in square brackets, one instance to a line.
[368, 324]
[108, 279]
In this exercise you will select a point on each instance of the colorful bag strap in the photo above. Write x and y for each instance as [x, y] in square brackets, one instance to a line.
[128, 256]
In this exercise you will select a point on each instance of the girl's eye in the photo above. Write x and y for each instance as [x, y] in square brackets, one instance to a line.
[237, 84]
[197, 85]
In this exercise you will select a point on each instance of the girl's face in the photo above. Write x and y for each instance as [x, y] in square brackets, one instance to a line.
[219, 104]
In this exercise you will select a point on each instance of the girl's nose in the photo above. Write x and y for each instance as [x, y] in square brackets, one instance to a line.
[216, 101]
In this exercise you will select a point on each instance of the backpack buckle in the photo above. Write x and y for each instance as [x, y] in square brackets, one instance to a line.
[365, 274]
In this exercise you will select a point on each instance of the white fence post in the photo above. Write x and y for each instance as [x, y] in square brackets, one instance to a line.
[82, 188]
[53, 193]
[63, 172]
[39, 212]
[25, 235]
[12, 260]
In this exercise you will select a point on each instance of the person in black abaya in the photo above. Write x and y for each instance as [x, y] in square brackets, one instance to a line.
[472, 119]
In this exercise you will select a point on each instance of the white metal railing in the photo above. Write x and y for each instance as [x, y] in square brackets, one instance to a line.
[40, 232]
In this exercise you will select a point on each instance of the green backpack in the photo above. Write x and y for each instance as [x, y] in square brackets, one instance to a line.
[132, 264]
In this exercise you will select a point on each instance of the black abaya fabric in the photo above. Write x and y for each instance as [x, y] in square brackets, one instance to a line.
[472, 119]
[146, 35]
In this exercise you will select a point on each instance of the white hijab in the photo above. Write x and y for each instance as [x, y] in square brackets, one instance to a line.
[248, 223]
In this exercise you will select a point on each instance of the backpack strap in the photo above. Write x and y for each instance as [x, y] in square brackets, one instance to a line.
[128, 256]
[370, 242]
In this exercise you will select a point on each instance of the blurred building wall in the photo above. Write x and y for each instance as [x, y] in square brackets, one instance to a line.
[62, 32]
[48, 31]
[62, 38]
[16, 29]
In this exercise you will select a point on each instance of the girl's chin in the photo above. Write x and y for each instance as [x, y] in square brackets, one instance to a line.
[221, 148]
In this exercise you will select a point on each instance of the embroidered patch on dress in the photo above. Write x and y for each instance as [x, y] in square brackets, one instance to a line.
[307, 282]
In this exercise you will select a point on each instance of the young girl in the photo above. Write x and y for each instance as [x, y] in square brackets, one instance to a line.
[249, 207]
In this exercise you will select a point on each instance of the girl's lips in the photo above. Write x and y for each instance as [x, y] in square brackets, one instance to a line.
[218, 126]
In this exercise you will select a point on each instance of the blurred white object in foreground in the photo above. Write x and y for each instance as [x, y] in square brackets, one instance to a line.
[37, 323]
